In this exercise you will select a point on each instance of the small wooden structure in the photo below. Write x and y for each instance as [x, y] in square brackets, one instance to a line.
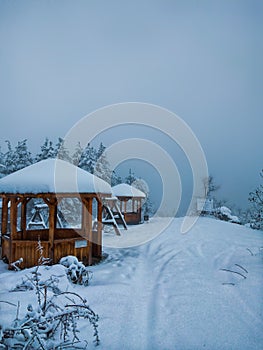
[51, 181]
[130, 202]
[112, 214]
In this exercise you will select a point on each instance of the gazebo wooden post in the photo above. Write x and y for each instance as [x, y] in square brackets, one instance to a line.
[52, 204]
[98, 252]
[139, 207]
[4, 219]
[23, 216]
[13, 217]
[87, 224]
[13, 229]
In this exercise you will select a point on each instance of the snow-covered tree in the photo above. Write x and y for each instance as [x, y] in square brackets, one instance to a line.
[47, 151]
[141, 185]
[210, 186]
[22, 156]
[1, 156]
[102, 167]
[100, 150]
[9, 159]
[2, 165]
[246, 216]
[88, 159]
[61, 151]
[77, 154]
[256, 198]
[18, 158]
[130, 178]
[115, 179]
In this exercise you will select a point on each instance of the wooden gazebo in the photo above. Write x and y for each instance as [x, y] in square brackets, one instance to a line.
[130, 202]
[51, 181]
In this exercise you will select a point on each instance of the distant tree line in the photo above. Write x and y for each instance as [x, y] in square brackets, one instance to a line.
[88, 158]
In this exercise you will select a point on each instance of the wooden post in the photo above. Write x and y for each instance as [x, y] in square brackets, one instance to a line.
[87, 224]
[13, 217]
[13, 230]
[4, 223]
[139, 208]
[99, 229]
[23, 217]
[5, 202]
[52, 204]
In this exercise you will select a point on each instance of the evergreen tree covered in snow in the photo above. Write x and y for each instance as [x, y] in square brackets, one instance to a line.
[22, 156]
[210, 186]
[9, 159]
[100, 150]
[88, 159]
[141, 185]
[256, 198]
[16, 159]
[1, 156]
[47, 151]
[115, 179]
[2, 165]
[62, 152]
[77, 154]
[130, 178]
[102, 167]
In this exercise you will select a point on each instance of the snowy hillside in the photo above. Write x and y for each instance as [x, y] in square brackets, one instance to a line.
[200, 290]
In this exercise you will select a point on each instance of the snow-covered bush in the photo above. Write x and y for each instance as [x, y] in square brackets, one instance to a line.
[77, 272]
[50, 321]
[224, 213]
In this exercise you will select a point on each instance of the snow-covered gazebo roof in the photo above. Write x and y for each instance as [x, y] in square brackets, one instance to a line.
[53, 176]
[125, 190]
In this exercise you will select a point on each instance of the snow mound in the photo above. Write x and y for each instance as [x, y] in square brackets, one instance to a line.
[224, 213]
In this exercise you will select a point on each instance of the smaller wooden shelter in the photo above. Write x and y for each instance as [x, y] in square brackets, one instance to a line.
[130, 202]
[50, 182]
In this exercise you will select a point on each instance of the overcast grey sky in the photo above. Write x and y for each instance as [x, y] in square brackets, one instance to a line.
[60, 60]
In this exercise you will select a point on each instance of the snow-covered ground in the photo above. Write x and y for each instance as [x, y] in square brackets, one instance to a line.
[200, 290]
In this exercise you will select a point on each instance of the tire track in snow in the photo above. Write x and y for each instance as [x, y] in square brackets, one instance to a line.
[145, 304]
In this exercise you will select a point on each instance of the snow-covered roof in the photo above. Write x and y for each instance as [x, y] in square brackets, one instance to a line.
[53, 176]
[125, 190]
